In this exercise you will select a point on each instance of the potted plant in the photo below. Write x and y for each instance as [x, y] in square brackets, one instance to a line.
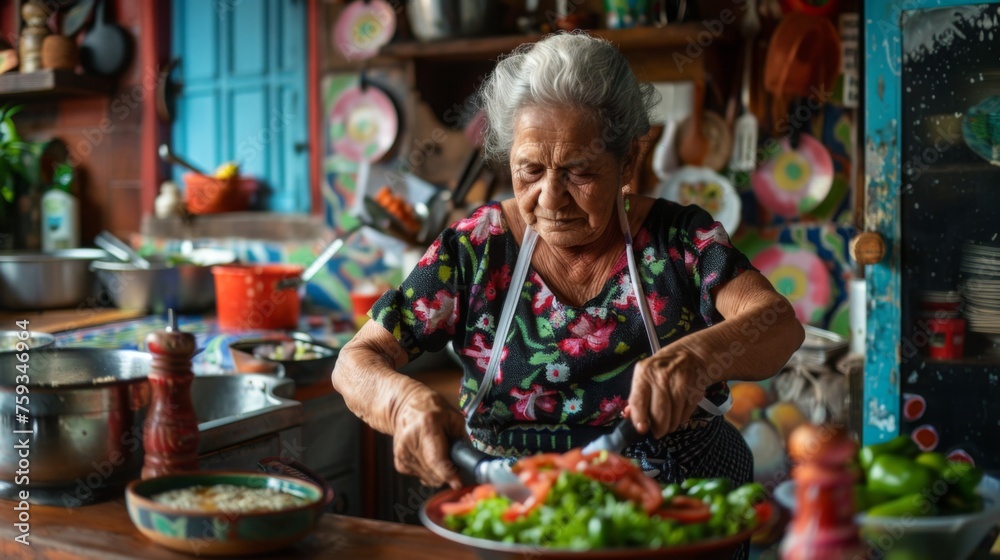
[13, 175]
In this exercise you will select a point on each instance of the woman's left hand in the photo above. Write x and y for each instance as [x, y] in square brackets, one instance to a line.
[666, 388]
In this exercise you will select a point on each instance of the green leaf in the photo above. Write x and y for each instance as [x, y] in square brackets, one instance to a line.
[539, 358]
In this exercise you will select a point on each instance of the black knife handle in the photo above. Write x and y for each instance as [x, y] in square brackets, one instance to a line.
[626, 429]
[466, 459]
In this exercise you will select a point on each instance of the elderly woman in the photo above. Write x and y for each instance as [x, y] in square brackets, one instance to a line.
[574, 302]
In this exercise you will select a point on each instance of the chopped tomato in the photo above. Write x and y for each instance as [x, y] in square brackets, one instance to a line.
[685, 509]
[536, 462]
[539, 492]
[609, 467]
[763, 511]
[640, 489]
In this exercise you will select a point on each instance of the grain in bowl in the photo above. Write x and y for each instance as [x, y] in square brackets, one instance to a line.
[228, 498]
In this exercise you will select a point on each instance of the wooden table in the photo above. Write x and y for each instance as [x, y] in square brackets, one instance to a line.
[105, 531]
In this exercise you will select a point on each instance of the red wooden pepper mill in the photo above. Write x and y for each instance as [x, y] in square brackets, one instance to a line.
[170, 433]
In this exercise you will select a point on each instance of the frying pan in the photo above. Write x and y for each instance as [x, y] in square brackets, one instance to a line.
[107, 48]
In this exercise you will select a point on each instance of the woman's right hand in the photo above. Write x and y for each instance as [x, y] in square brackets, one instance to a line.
[425, 425]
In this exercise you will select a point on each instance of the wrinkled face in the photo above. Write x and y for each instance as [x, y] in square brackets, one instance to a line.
[565, 182]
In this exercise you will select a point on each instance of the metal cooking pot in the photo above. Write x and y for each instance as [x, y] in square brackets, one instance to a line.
[36, 281]
[432, 20]
[185, 288]
[34, 340]
[85, 416]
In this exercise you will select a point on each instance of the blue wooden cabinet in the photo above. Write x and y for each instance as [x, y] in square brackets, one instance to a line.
[932, 138]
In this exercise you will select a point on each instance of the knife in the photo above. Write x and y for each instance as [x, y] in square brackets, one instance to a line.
[621, 437]
[476, 467]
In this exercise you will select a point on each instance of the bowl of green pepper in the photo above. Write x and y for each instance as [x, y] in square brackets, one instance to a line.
[915, 505]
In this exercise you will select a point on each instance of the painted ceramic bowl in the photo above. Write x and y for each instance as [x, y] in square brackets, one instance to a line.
[200, 532]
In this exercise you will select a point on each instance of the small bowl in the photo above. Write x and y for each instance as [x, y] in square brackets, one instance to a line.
[303, 372]
[34, 340]
[220, 533]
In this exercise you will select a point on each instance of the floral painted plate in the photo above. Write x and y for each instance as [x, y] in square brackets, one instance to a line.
[363, 124]
[799, 275]
[707, 189]
[363, 28]
[795, 181]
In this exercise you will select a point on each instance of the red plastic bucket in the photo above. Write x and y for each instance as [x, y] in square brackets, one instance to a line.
[246, 298]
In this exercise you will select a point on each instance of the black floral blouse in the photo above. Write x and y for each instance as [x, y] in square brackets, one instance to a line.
[566, 371]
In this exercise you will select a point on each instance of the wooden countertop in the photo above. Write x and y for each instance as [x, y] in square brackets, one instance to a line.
[105, 531]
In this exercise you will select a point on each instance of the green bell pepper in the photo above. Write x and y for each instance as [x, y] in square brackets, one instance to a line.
[708, 487]
[936, 461]
[899, 476]
[955, 504]
[865, 498]
[671, 490]
[748, 495]
[899, 445]
[963, 477]
[914, 505]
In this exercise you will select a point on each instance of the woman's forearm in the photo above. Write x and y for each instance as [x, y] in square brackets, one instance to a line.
[366, 376]
[758, 336]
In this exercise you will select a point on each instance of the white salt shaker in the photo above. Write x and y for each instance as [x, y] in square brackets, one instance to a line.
[168, 202]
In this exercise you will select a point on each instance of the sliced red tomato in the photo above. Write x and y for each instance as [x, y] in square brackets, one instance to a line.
[468, 501]
[764, 512]
[685, 509]
[537, 462]
[539, 492]
[608, 468]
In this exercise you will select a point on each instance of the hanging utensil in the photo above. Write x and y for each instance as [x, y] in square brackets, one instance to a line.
[168, 156]
[328, 253]
[674, 107]
[694, 144]
[744, 156]
[106, 49]
[120, 250]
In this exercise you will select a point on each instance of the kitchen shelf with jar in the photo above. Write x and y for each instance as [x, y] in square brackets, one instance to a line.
[48, 84]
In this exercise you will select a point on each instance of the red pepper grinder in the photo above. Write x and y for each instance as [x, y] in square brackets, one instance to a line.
[170, 433]
[823, 527]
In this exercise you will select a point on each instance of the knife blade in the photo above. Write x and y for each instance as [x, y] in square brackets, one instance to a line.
[476, 467]
[621, 437]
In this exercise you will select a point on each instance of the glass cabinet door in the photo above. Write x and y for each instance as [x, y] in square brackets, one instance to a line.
[935, 196]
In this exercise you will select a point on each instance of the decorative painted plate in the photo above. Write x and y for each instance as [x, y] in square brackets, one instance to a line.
[981, 129]
[708, 189]
[800, 276]
[363, 27]
[363, 124]
[795, 181]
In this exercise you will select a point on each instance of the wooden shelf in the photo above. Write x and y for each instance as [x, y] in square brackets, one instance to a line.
[635, 39]
[51, 83]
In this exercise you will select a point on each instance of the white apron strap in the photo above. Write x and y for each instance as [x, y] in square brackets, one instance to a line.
[647, 318]
[506, 318]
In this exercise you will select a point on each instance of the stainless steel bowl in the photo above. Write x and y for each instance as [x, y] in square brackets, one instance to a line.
[36, 281]
[84, 419]
[432, 20]
[185, 288]
[32, 339]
